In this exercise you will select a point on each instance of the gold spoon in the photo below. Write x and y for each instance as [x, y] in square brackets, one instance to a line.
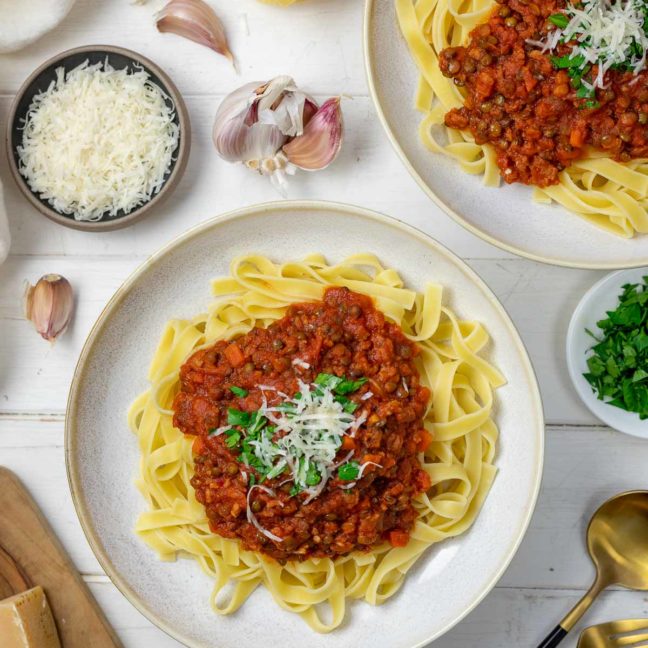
[617, 541]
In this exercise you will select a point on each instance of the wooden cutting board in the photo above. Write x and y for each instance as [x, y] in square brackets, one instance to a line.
[31, 555]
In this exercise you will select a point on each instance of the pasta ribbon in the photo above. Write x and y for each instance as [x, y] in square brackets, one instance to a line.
[459, 461]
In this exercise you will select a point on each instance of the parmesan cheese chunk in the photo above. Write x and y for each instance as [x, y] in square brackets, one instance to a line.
[98, 141]
[26, 621]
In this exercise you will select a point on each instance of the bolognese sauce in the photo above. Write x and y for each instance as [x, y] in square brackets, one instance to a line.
[237, 399]
[523, 101]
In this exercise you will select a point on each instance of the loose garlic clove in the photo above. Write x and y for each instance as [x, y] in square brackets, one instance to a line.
[195, 20]
[49, 305]
[321, 140]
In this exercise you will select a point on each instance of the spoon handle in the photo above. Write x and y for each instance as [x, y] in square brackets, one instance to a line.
[561, 630]
[554, 637]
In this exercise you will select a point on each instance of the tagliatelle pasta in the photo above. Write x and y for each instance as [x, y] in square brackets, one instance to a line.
[459, 461]
[609, 194]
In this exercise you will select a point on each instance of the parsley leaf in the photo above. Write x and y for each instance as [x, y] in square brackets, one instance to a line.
[239, 391]
[348, 386]
[237, 417]
[559, 19]
[233, 437]
[313, 476]
[349, 471]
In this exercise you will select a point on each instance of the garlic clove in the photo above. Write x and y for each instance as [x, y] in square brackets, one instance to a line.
[321, 140]
[195, 20]
[49, 305]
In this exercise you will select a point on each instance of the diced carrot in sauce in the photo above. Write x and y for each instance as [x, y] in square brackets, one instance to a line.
[198, 445]
[398, 538]
[425, 440]
[234, 355]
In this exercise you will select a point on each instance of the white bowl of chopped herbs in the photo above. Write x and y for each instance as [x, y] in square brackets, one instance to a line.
[607, 350]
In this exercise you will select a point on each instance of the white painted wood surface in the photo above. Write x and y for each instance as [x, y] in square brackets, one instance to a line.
[319, 42]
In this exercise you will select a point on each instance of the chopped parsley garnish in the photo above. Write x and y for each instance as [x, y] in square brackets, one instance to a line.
[313, 476]
[349, 471]
[618, 366]
[233, 437]
[300, 436]
[559, 19]
[239, 391]
[237, 417]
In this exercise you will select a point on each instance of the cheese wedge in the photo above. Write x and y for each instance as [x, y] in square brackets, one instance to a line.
[26, 621]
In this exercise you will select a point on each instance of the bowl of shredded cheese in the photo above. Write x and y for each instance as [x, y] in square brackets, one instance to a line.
[97, 136]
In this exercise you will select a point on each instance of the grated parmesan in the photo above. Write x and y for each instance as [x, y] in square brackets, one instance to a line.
[608, 33]
[98, 141]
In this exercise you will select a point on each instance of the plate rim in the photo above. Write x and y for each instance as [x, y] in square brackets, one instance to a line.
[368, 55]
[75, 485]
[584, 393]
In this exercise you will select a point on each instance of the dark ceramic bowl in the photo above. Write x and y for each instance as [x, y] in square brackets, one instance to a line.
[119, 58]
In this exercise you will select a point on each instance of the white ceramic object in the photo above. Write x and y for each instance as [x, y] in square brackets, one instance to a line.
[23, 22]
[603, 296]
[504, 216]
[102, 455]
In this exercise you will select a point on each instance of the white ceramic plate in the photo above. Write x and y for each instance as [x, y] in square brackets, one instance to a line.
[102, 455]
[505, 216]
[600, 298]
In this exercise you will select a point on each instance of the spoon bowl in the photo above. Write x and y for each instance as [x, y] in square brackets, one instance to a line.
[617, 541]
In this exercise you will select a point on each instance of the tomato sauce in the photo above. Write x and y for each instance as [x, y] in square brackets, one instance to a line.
[343, 335]
[521, 104]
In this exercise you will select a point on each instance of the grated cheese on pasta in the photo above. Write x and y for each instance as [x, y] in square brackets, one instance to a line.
[98, 141]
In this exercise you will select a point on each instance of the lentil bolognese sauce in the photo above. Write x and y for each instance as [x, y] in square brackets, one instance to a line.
[307, 432]
[545, 80]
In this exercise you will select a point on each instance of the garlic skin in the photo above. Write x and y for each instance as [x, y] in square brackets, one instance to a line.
[260, 122]
[195, 20]
[321, 140]
[49, 305]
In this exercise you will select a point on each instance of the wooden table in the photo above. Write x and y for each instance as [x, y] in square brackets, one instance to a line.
[320, 44]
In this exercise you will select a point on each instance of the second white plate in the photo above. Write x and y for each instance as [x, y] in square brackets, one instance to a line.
[505, 216]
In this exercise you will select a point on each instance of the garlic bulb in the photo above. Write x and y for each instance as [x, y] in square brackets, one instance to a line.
[49, 305]
[275, 128]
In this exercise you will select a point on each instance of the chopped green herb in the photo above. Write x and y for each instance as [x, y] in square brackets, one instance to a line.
[233, 437]
[296, 489]
[348, 386]
[617, 368]
[328, 380]
[559, 19]
[349, 471]
[238, 391]
[348, 405]
[251, 479]
[592, 103]
[313, 476]
[237, 417]
[257, 422]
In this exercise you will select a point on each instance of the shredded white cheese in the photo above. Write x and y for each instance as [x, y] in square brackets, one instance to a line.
[98, 141]
[606, 33]
[252, 518]
[310, 428]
